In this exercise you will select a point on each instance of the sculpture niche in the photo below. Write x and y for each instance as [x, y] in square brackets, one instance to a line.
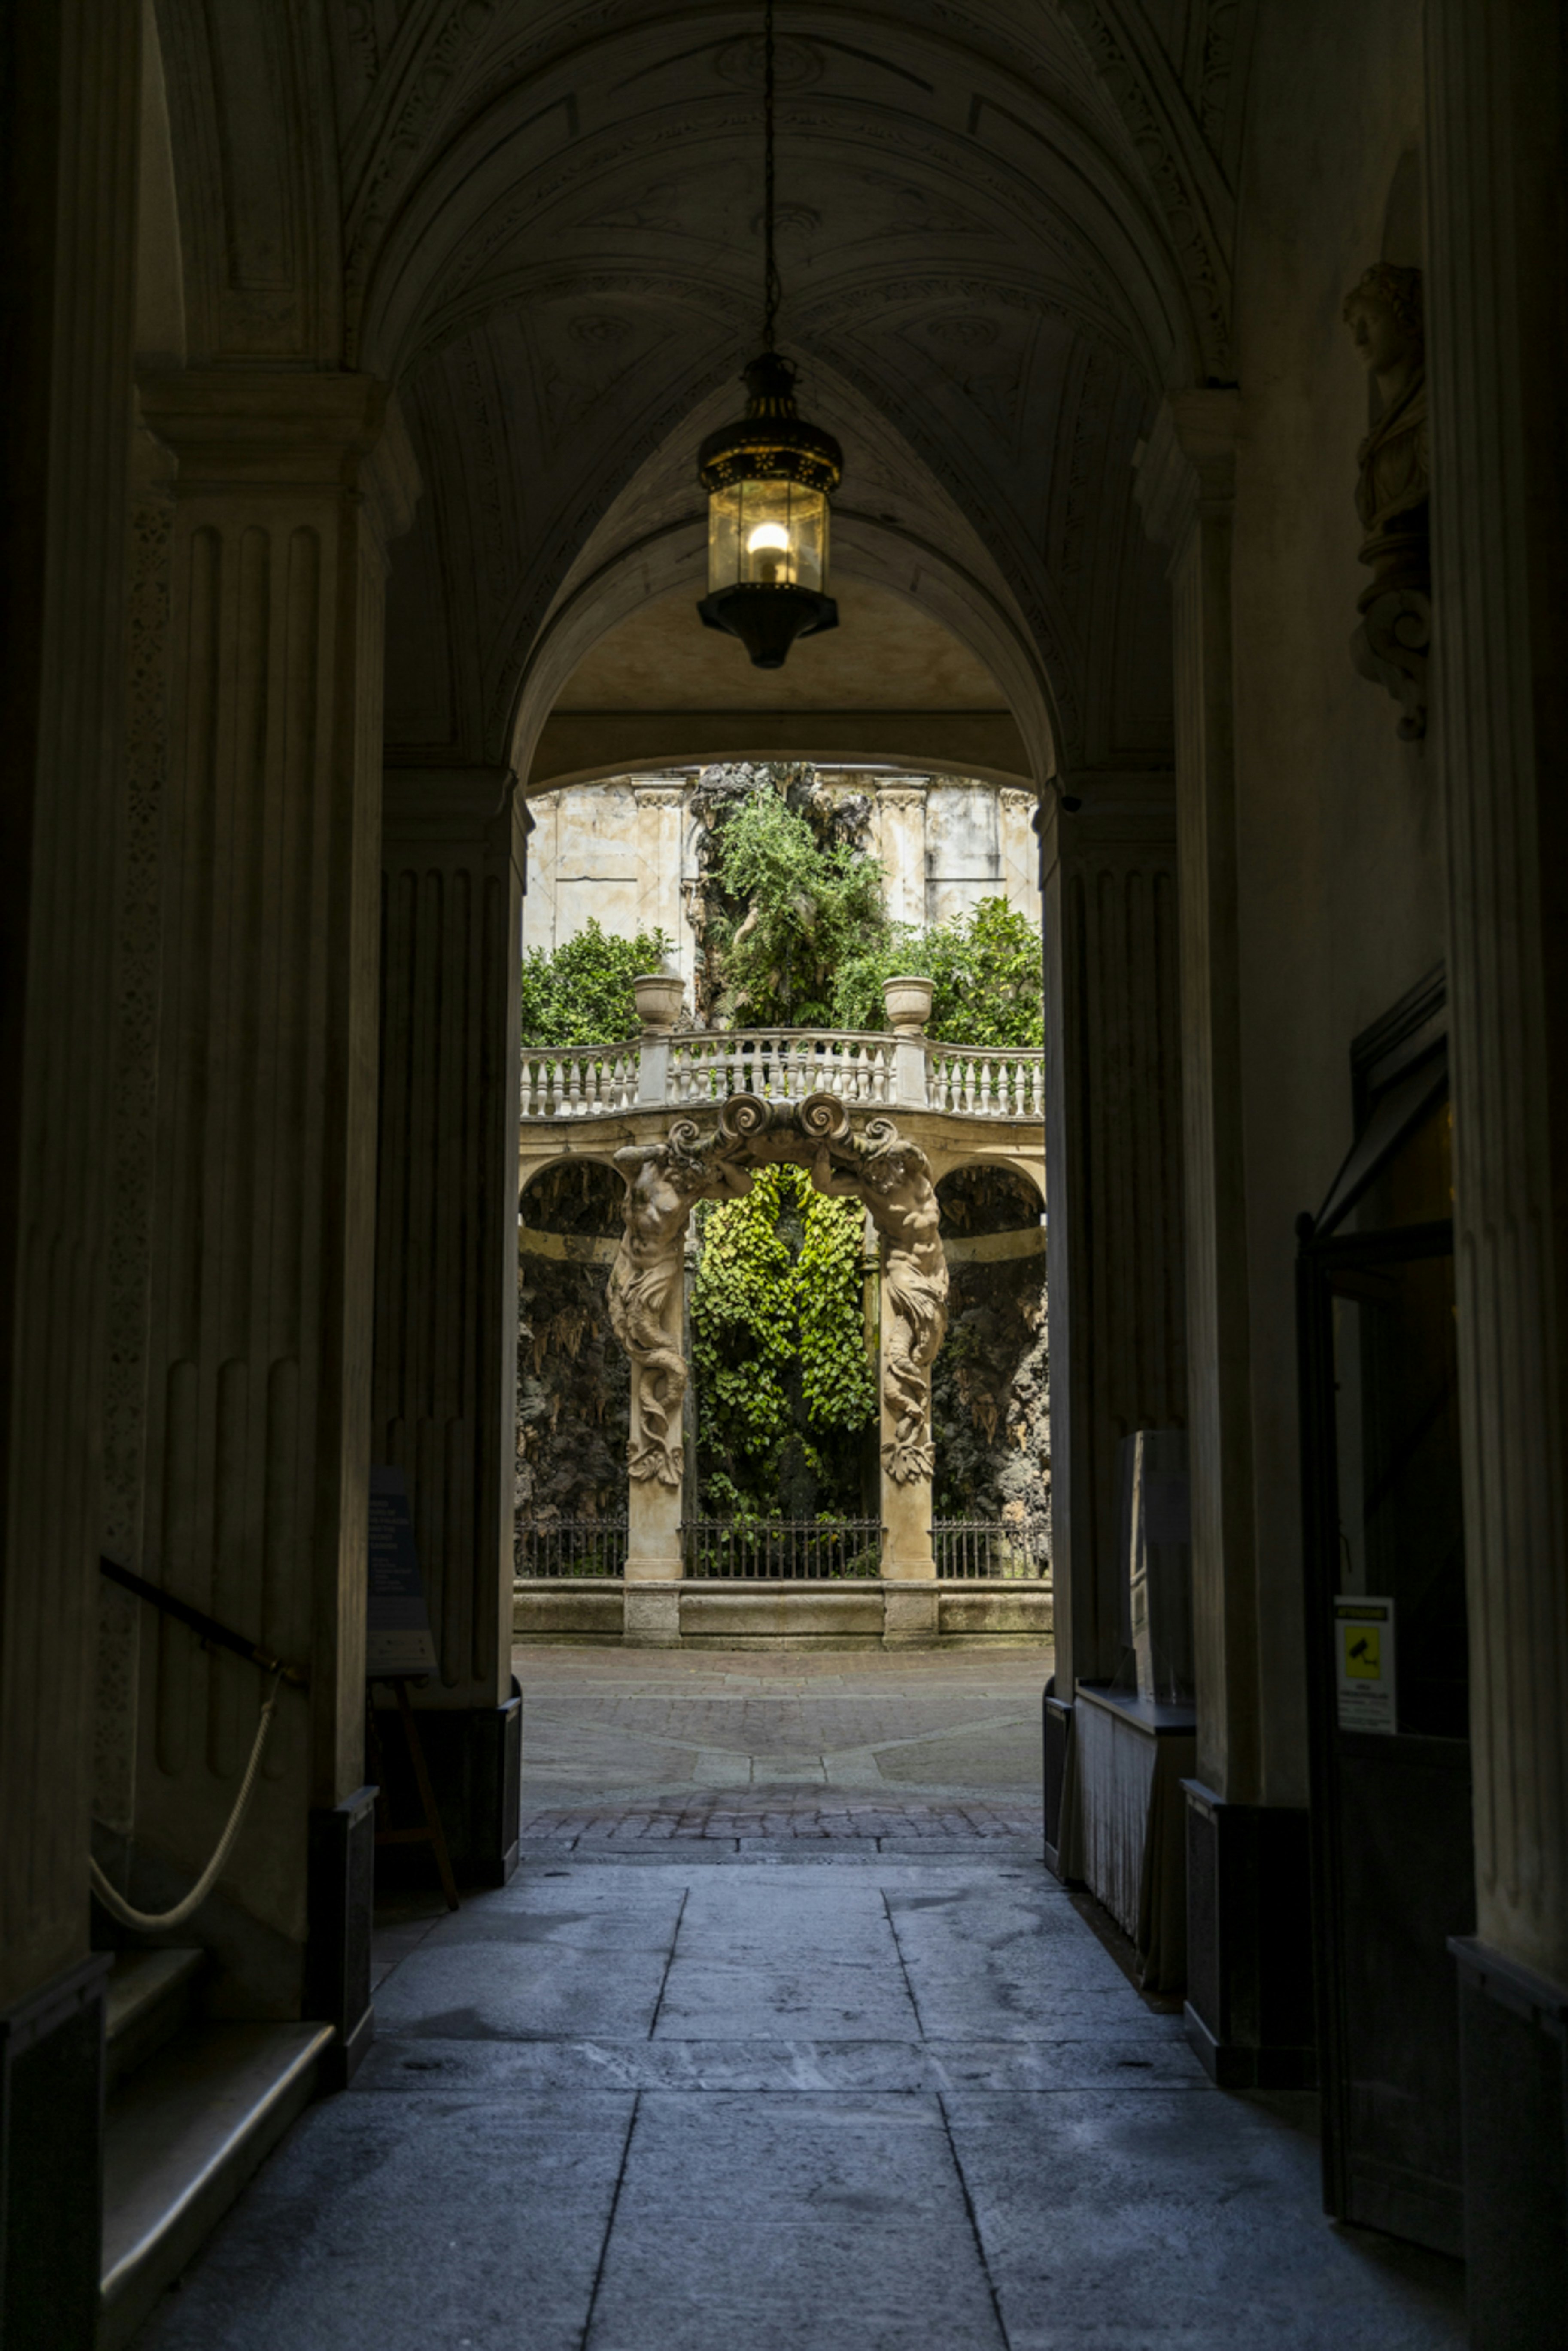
[663, 1182]
[1392, 641]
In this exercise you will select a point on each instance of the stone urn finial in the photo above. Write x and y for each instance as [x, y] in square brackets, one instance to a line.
[909, 1003]
[658, 998]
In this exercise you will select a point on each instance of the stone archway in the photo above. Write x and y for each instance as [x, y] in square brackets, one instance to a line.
[860, 1155]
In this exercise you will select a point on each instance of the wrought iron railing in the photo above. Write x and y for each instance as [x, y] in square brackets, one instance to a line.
[567, 1547]
[781, 1550]
[989, 1549]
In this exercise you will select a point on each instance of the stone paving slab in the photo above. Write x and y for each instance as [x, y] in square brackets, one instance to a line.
[627, 1746]
[832, 2070]
[1145, 2218]
[1108, 2055]
[821, 2220]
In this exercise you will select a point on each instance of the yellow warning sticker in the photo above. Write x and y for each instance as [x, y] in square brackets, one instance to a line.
[1363, 1652]
[1363, 1660]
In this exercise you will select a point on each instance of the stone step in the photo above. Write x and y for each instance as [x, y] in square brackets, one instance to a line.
[151, 1994]
[182, 2137]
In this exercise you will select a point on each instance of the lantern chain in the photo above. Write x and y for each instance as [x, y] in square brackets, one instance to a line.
[771, 290]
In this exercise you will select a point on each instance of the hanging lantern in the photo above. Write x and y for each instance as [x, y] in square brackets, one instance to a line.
[769, 480]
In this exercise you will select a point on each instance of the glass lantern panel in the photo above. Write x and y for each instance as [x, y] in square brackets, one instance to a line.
[767, 534]
[766, 543]
[724, 536]
[809, 535]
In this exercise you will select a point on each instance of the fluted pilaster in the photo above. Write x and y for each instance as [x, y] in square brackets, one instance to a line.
[1498, 349]
[1113, 1178]
[1185, 489]
[289, 488]
[452, 859]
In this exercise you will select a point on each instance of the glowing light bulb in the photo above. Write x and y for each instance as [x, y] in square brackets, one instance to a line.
[768, 538]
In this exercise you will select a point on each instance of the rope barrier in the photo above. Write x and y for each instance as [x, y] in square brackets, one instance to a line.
[148, 1922]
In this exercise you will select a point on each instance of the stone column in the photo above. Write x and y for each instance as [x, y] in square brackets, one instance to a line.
[1247, 2010]
[289, 486]
[1116, 1308]
[443, 1405]
[69, 112]
[1496, 101]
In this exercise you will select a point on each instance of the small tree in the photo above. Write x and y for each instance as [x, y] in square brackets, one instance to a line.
[808, 909]
[581, 993]
[985, 970]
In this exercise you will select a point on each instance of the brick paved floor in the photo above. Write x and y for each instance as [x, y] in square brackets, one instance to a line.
[734, 1748]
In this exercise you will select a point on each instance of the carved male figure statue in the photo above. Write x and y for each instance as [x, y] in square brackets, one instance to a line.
[663, 1183]
[893, 1178]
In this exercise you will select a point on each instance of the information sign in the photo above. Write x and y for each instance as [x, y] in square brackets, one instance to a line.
[397, 1638]
[1364, 1665]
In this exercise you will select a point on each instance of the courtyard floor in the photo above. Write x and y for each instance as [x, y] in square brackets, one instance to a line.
[782, 2039]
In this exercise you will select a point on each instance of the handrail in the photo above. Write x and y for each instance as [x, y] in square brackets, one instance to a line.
[206, 1628]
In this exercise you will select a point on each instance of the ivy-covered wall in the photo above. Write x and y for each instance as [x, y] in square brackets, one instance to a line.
[785, 1380]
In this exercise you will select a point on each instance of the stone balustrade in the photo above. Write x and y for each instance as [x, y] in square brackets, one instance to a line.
[580, 1080]
[680, 1070]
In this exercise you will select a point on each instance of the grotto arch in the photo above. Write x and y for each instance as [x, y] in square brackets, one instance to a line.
[865, 1156]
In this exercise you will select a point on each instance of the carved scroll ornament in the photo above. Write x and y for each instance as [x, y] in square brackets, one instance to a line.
[1393, 640]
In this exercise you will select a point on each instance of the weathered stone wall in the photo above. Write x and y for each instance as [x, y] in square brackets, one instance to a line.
[627, 851]
[991, 1388]
[574, 1382]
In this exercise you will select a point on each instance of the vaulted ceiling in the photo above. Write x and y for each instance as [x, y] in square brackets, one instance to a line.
[1005, 227]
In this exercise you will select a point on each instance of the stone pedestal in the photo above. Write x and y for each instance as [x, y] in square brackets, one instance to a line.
[653, 1529]
[258, 1435]
[444, 1402]
[1117, 1299]
[652, 1618]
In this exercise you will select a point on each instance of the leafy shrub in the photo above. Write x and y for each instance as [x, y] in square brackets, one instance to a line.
[581, 995]
[985, 968]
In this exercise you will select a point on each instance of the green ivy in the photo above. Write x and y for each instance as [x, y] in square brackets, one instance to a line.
[581, 995]
[987, 986]
[784, 1381]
